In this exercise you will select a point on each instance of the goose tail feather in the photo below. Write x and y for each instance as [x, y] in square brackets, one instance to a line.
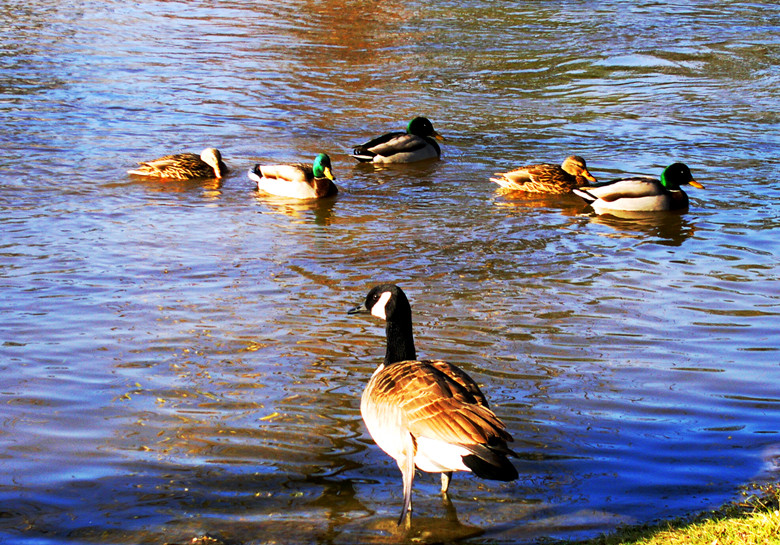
[491, 463]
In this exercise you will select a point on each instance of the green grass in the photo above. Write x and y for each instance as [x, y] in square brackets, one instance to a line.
[753, 521]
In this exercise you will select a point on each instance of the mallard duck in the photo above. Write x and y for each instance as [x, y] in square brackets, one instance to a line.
[297, 181]
[416, 144]
[642, 193]
[184, 166]
[547, 178]
[428, 414]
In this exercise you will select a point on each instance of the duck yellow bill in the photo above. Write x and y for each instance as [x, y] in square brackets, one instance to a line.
[588, 176]
[328, 174]
[439, 137]
[694, 183]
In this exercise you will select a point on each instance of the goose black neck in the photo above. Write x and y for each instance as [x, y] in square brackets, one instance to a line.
[400, 342]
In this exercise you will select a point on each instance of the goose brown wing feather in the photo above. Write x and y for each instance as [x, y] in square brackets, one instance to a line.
[439, 401]
[459, 375]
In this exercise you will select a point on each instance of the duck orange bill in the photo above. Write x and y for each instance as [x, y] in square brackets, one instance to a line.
[439, 137]
[694, 183]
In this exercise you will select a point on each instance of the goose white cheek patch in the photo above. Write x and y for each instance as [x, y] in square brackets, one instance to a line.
[378, 309]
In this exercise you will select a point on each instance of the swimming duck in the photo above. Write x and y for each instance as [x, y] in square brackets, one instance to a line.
[416, 144]
[297, 181]
[642, 193]
[547, 178]
[428, 414]
[184, 166]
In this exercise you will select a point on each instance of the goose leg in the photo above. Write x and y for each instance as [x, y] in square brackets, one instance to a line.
[446, 477]
[406, 464]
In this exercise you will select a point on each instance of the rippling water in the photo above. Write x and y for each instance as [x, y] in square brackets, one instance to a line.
[177, 358]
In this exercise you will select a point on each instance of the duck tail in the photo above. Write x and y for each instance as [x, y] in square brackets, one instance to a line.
[255, 173]
[505, 182]
[362, 154]
[584, 194]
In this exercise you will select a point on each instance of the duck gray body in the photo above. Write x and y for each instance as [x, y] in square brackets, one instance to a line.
[416, 144]
[641, 193]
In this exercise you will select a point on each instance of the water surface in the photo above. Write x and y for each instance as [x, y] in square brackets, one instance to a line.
[177, 358]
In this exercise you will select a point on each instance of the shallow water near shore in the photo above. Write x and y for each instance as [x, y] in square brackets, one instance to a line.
[177, 356]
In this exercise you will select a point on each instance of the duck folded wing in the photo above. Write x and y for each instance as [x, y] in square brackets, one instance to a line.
[542, 172]
[187, 160]
[290, 173]
[528, 179]
[159, 164]
[393, 143]
[514, 176]
[625, 188]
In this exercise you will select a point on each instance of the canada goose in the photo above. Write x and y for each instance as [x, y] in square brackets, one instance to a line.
[428, 414]
[416, 144]
[184, 166]
[297, 181]
[547, 178]
[642, 193]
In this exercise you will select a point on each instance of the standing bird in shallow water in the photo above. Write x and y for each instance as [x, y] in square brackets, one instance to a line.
[428, 414]
[642, 193]
[416, 144]
[547, 178]
[184, 166]
[297, 181]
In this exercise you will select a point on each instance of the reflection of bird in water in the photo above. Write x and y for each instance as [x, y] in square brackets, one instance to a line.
[428, 414]
[184, 166]
[547, 178]
[672, 227]
[447, 529]
[297, 181]
[642, 193]
[416, 144]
